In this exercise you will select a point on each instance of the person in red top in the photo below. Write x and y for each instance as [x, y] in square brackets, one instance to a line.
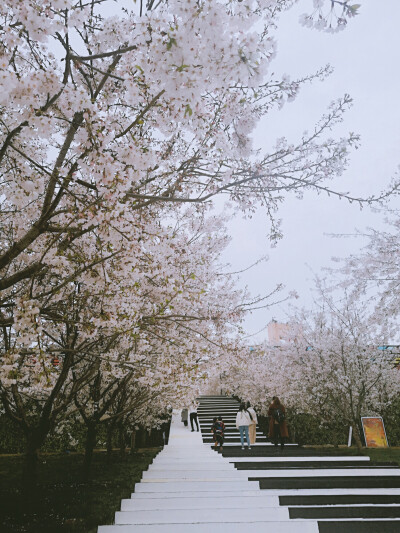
[218, 430]
[277, 424]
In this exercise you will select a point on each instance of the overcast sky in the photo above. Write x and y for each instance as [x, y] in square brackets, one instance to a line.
[366, 61]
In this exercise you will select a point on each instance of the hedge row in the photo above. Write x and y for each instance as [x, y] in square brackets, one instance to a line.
[12, 438]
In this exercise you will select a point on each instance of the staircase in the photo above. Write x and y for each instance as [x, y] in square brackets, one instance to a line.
[212, 406]
[342, 493]
[190, 488]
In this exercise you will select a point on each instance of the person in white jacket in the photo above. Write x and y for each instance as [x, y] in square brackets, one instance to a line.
[243, 420]
[253, 425]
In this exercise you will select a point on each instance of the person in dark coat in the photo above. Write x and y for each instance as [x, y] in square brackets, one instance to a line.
[185, 416]
[278, 430]
[218, 431]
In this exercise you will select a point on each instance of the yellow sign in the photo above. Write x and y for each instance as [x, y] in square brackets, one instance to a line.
[374, 432]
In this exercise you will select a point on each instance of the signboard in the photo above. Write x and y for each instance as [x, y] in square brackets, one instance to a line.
[374, 432]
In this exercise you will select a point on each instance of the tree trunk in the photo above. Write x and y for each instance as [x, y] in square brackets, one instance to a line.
[292, 433]
[122, 443]
[110, 434]
[356, 435]
[34, 440]
[133, 441]
[89, 448]
[30, 466]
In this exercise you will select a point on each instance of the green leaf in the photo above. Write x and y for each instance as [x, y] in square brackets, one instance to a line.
[181, 68]
[170, 43]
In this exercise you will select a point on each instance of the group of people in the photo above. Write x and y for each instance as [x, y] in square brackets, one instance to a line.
[246, 423]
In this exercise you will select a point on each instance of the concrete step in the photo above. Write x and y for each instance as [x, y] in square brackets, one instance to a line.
[199, 516]
[370, 473]
[309, 465]
[192, 465]
[316, 459]
[345, 512]
[202, 486]
[341, 499]
[180, 475]
[359, 526]
[228, 502]
[331, 491]
[333, 482]
[229, 527]
[193, 459]
[248, 493]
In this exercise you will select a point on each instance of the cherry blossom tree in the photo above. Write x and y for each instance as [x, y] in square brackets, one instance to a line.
[330, 365]
[330, 16]
[374, 271]
[337, 371]
[257, 375]
[116, 132]
[104, 116]
[154, 328]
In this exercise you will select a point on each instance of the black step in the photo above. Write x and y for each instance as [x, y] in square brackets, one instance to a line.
[337, 499]
[359, 526]
[315, 513]
[307, 465]
[329, 482]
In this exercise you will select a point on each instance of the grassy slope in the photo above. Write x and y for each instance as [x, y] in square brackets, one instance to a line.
[64, 503]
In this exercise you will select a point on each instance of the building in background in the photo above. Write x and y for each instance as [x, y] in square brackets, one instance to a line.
[277, 333]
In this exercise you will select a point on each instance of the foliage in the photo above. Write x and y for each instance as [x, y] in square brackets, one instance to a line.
[306, 429]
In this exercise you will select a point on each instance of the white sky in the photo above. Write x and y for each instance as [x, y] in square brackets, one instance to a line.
[366, 59]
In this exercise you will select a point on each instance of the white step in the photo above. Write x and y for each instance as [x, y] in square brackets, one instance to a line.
[253, 493]
[198, 475]
[229, 527]
[228, 502]
[193, 466]
[189, 516]
[205, 486]
[172, 460]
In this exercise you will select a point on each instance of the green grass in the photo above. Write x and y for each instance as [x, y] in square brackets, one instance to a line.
[379, 455]
[63, 501]
[391, 455]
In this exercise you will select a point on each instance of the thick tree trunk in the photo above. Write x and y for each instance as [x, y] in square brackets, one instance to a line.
[34, 440]
[89, 448]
